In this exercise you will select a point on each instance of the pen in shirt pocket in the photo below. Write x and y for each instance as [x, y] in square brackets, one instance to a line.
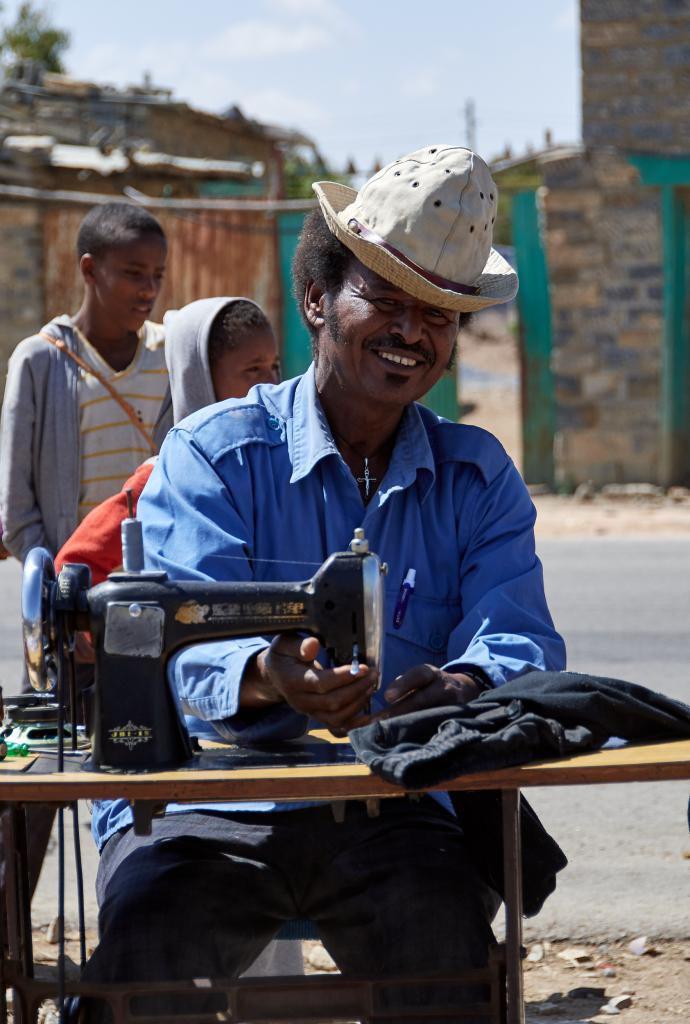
[406, 591]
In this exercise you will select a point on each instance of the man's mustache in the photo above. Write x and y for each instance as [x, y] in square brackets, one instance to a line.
[393, 343]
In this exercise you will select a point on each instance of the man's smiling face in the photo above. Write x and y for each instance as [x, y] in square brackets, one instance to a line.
[380, 342]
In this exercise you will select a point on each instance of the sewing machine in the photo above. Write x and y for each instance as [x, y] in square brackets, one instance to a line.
[139, 619]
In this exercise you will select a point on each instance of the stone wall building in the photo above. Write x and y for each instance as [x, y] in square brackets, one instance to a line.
[603, 246]
[613, 224]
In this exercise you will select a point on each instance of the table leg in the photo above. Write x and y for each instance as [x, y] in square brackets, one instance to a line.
[512, 873]
[18, 938]
[24, 888]
[4, 910]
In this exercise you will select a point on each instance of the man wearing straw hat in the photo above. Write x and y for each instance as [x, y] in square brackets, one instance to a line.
[259, 488]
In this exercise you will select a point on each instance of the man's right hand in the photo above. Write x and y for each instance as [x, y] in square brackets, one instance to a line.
[288, 671]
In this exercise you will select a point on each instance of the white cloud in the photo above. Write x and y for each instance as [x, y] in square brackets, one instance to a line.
[566, 20]
[278, 107]
[351, 87]
[327, 11]
[110, 64]
[419, 85]
[208, 85]
[99, 63]
[251, 40]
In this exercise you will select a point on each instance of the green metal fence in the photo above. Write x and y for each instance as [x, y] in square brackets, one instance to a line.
[534, 305]
[672, 176]
[296, 341]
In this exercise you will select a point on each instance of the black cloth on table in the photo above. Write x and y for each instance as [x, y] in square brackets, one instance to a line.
[534, 717]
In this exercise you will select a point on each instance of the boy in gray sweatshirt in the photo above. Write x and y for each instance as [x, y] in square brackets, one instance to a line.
[86, 397]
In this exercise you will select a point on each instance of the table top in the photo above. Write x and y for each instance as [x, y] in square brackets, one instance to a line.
[649, 762]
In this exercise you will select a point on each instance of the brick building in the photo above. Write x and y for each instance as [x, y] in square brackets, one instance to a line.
[614, 225]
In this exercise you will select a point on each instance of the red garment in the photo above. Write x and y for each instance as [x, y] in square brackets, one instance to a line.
[97, 541]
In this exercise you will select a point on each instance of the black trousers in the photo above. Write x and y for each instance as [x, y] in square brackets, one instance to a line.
[206, 891]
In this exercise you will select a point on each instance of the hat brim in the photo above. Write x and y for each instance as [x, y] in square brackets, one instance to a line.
[497, 283]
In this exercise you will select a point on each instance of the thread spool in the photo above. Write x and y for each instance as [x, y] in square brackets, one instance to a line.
[132, 540]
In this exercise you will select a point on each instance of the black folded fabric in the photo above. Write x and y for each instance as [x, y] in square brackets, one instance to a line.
[538, 715]
[481, 814]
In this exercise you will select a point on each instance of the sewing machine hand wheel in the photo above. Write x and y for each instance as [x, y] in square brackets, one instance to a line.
[38, 620]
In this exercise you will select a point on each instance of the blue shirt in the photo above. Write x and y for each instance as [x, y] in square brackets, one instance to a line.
[256, 489]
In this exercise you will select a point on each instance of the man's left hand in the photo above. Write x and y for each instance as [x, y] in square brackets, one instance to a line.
[426, 686]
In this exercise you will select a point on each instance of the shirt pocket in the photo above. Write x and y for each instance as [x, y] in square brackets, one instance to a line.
[423, 634]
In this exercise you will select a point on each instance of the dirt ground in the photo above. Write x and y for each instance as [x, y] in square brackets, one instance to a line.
[562, 990]
[561, 516]
[489, 381]
[657, 983]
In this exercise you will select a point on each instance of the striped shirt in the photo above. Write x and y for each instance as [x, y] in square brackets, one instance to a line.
[111, 446]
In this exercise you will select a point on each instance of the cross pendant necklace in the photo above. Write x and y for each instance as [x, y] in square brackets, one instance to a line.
[367, 479]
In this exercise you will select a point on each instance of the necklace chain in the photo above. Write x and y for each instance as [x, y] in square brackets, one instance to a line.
[367, 479]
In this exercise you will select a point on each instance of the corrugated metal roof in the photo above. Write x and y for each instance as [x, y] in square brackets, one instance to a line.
[29, 143]
[88, 158]
[44, 149]
[555, 152]
[195, 166]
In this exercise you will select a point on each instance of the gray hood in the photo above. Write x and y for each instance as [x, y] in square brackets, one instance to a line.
[186, 353]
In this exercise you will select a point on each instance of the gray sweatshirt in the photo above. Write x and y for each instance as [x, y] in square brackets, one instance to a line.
[186, 353]
[40, 444]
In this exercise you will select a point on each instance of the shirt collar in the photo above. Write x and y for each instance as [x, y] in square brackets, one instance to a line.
[412, 458]
[310, 440]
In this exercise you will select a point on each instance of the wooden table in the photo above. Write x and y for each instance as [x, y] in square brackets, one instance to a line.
[334, 782]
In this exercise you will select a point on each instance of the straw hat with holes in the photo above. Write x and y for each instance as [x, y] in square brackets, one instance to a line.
[425, 224]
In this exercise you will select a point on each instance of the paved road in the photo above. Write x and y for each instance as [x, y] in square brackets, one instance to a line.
[624, 608]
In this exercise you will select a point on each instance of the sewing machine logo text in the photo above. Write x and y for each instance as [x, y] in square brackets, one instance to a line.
[130, 735]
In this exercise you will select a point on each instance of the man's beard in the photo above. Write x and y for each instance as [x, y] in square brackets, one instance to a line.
[333, 324]
[334, 329]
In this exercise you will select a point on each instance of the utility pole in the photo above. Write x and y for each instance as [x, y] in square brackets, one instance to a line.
[470, 125]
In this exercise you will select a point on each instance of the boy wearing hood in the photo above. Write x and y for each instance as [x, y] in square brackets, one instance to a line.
[214, 349]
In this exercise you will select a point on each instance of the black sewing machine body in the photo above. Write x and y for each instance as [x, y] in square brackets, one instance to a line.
[138, 620]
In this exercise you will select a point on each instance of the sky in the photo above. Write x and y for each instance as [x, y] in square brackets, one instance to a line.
[366, 79]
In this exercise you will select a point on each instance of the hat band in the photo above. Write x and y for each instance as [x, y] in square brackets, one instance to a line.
[440, 282]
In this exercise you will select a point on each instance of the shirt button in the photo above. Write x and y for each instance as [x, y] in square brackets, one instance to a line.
[437, 641]
[273, 422]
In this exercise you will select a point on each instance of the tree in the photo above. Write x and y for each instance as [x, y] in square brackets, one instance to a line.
[302, 166]
[33, 37]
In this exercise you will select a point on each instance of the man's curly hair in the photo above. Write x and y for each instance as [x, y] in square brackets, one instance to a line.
[320, 257]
